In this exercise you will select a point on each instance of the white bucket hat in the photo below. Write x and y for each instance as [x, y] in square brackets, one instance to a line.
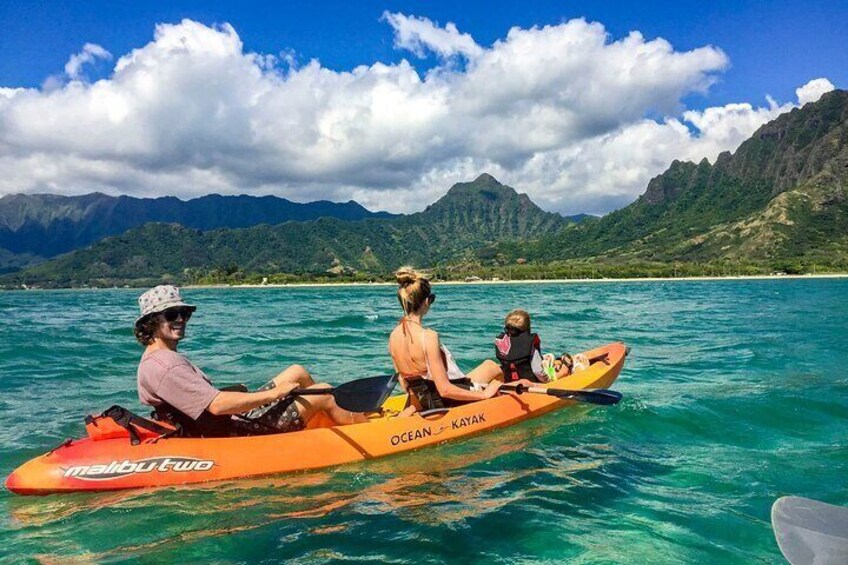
[160, 298]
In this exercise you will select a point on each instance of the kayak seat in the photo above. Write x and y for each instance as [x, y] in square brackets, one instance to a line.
[428, 396]
[118, 422]
[425, 393]
[208, 425]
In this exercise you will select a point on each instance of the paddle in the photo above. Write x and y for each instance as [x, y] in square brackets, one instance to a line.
[599, 396]
[361, 395]
[809, 531]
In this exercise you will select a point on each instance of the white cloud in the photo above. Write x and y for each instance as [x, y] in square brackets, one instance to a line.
[813, 90]
[9, 92]
[420, 35]
[89, 54]
[560, 112]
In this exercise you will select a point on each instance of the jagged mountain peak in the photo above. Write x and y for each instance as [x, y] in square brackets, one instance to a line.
[482, 182]
[485, 188]
[779, 155]
[781, 194]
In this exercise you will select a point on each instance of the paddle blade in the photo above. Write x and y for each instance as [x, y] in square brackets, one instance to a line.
[601, 396]
[809, 531]
[365, 395]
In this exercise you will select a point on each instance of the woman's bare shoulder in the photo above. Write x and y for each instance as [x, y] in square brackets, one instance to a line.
[429, 336]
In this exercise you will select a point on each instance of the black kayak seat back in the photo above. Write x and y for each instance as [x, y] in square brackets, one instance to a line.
[425, 392]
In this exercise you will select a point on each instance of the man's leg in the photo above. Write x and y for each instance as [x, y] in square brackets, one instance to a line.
[295, 374]
[305, 407]
[308, 405]
[286, 414]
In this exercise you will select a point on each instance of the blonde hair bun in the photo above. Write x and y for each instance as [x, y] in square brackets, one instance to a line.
[406, 276]
[413, 289]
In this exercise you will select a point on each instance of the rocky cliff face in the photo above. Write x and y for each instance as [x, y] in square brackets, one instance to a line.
[781, 154]
[782, 194]
[484, 211]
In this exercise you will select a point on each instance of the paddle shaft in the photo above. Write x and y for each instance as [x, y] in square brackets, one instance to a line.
[599, 396]
[312, 391]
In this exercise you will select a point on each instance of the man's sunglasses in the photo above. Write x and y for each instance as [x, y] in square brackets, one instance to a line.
[172, 314]
[431, 298]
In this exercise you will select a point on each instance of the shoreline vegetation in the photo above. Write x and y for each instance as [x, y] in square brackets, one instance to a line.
[540, 281]
[575, 270]
[529, 275]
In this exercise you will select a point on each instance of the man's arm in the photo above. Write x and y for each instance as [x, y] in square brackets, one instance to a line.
[226, 403]
[188, 390]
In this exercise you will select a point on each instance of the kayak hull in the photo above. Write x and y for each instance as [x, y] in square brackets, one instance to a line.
[113, 464]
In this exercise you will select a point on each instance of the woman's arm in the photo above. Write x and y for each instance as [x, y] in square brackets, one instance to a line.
[226, 403]
[439, 373]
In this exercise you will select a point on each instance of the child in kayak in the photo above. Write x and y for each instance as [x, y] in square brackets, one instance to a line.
[426, 368]
[519, 353]
[183, 395]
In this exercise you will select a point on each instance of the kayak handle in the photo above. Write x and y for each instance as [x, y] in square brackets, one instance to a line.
[433, 411]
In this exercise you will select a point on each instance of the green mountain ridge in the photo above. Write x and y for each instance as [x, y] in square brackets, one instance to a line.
[782, 195]
[38, 226]
[476, 214]
[472, 217]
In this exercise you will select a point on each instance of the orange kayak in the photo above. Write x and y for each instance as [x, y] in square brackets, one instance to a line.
[111, 464]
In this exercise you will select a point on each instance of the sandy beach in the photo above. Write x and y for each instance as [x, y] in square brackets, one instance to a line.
[538, 281]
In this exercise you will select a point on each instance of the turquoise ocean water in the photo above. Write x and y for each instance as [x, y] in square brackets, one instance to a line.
[736, 393]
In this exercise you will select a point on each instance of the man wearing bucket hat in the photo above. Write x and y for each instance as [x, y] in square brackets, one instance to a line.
[182, 394]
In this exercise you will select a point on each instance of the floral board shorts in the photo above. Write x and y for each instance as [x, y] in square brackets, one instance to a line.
[278, 417]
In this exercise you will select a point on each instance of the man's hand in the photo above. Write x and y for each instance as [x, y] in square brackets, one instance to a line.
[283, 390]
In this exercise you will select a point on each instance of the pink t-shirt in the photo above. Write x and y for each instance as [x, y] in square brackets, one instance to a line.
[167, 376]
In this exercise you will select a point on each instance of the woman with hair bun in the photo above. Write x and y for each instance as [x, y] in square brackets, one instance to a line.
[426, 368]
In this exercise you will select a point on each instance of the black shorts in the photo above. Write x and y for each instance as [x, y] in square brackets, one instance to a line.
[278, 417]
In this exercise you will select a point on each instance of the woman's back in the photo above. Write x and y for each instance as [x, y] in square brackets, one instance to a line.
[406, 346]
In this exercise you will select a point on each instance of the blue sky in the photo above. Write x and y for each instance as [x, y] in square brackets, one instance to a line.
[773, 46]
[766, 48]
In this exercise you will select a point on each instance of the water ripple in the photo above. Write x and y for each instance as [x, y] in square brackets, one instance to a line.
[735, 394]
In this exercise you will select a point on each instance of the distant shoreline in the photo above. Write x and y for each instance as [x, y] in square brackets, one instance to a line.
[535, 281]
[473, 282]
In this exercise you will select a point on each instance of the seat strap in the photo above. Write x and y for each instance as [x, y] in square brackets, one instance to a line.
[129, 421]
